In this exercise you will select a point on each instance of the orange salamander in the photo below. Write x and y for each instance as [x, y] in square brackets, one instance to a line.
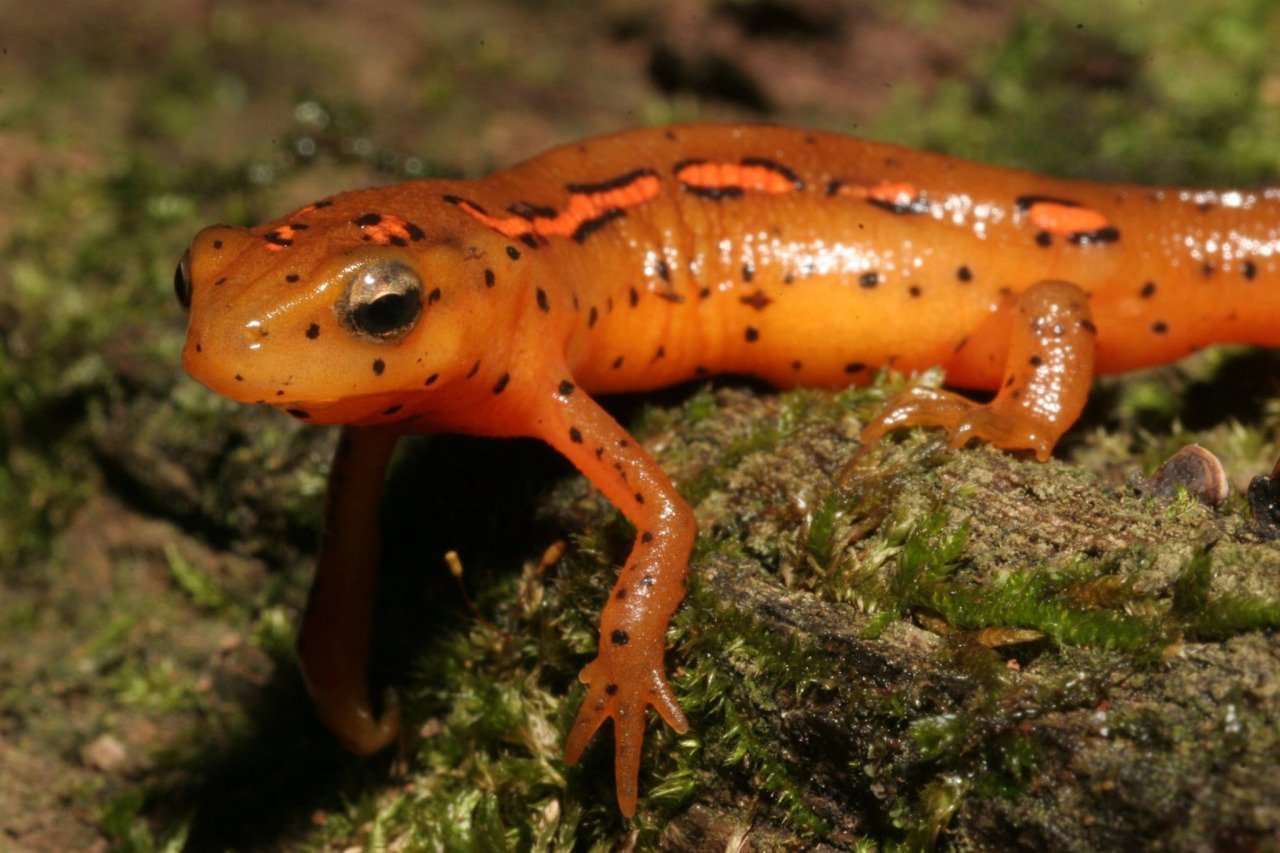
[500, 306]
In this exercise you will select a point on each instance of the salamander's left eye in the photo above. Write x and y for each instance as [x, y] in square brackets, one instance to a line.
[182, 280]
[382, 302]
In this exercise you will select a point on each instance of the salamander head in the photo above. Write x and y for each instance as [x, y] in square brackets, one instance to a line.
[333, 317]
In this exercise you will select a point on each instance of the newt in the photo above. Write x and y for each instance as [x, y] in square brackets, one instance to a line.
[502, 306]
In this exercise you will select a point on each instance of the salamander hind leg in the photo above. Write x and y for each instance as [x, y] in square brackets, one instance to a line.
[628, 673]
[1047, 374]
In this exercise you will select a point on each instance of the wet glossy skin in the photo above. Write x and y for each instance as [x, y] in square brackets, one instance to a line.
[628, 262]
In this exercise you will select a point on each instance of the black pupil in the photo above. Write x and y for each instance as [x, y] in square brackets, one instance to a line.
[388, 313]
[180, 287]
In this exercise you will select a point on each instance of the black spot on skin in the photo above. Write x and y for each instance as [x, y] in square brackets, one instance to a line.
[1044, 238]
[599, 452]
[275, 239]
[622, 442]
[961, 345]
[300, 414]
[775, 167]
[675, 298]
[220, 281]
[611, 689]
[239, 378]
[489, 278]
[513, 253]
[324, 202]
[1109, 234]
[1148, 290]
[217, 244]
[291, 277]
[639, 498]
[915, 291]
[752, 334]
[1250, 269]
[704, 293]
[531, 211]
[748, 272]
[855, 367]
[619, 637]
[431, 380]
[433, 296]
[365, 220]
[664, 271]
[590, 226]
[391, 410]
[200, 347]
[914, 206]
[565, 388]
[621, 594]
[378, 366]
[475, 368]
[1035, 361]
[1025, 202]
[646, 537]
[660, 353]
[313, 331]
[633, 296]
[543, 304]
[1088, 326]
[964, 274]
[575, 435]
[869, 279]
[415, 233]
[501, 384]
[789, 278]
[617, 362]
[1159, 327]
[796, 365]
[757, 300]
[1206, 270]
[592, 316]
[610, 184]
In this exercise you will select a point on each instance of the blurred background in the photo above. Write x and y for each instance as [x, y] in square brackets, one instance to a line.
[155, 542]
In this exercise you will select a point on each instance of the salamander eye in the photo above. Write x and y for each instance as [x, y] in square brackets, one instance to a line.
[182, 280]
[382, 302]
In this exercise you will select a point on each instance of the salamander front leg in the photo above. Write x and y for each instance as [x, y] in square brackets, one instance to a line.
[628, 673]
[1047, 374]
[333, 643]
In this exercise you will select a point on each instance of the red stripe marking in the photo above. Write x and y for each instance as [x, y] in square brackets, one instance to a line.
[582, 207]
[736, 176]
[1065, 219]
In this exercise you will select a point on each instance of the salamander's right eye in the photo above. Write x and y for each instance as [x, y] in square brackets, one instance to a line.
[382, 302]
[182, 280]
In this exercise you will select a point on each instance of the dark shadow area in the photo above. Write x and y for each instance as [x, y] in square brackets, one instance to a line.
[1238, 391]
[708, 76]
[475, 496]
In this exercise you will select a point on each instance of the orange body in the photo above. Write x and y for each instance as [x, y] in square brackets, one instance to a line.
[498, 306]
